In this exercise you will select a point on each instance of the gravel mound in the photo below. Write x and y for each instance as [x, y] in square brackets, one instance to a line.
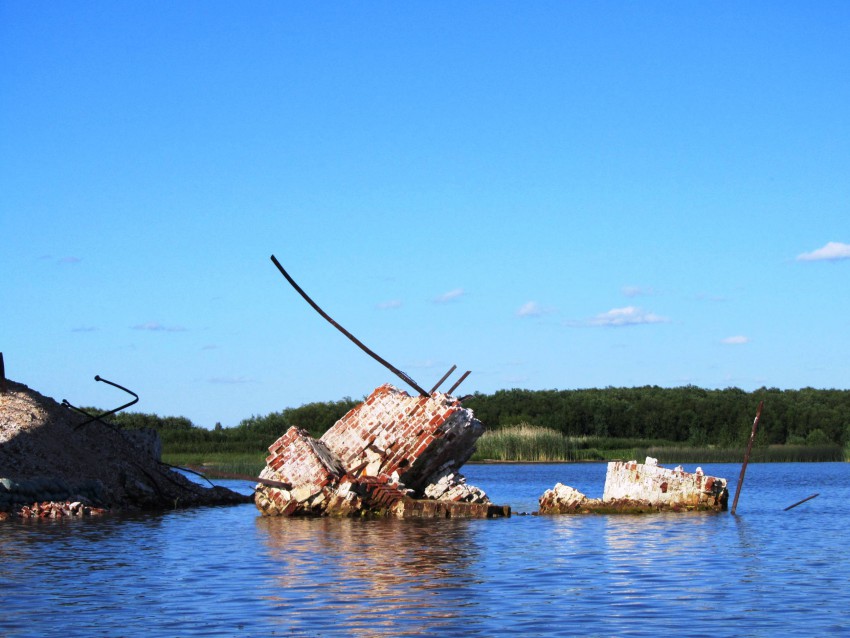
[47, 454]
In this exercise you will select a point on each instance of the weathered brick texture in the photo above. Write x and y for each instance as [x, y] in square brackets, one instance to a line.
[632, 487]
[392, 432]
[376, 458]
[665, 487]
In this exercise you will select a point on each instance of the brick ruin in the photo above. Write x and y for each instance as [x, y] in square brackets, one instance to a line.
[56, 463]
[392, 455]
[632, 487]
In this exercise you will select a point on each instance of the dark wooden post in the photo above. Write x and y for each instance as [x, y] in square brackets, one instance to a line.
[747, 457]
[2, 375]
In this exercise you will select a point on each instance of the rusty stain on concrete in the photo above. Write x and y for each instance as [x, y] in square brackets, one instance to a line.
[393, 455]
[632, 488]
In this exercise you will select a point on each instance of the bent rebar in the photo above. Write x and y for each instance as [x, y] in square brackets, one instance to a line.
[100, 417]
[444, 377]
[383, 362]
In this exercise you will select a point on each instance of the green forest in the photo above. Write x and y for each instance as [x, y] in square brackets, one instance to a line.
[590, 424]
[686, 414]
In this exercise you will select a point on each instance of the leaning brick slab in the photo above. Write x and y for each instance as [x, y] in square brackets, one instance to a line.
[392, 455]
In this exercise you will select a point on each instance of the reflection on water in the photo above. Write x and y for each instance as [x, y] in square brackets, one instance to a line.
[388, 576]
[229, 572]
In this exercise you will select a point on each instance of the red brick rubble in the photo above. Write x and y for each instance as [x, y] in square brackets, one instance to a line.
[392, 455]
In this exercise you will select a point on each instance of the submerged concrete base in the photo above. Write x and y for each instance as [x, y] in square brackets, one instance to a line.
[637, 488]
[426, 508]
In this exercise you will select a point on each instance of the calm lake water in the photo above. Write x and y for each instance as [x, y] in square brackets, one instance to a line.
[226, 571]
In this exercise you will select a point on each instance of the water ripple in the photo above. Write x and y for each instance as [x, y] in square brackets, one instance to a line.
[227, 571]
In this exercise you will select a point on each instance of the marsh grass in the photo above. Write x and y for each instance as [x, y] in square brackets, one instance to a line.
[530, 443]
[770, 454]
[524, 443]
[217, 463]
[537, 444]
[533, 443]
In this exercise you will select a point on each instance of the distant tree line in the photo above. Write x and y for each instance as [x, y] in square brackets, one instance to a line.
[684, 414]
[254, 434]
[688, 414]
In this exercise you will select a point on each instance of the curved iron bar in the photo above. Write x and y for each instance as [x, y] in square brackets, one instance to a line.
[186, 469]
[402, 375]
[231, 475]
[92, 417]
[99, 418]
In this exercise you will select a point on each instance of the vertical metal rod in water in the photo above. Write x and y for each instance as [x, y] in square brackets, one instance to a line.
[747, 457]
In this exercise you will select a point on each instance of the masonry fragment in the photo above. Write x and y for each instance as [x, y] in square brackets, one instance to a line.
[632, 488]
[393, 455]
[53, 464]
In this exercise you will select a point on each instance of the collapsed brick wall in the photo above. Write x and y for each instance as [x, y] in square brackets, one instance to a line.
[390, 432]
[390, 448]
[306, 465]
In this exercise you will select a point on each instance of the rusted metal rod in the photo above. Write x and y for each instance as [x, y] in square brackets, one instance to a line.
[359, 344]
[459, 381]
[747, 457]
[2, 375]
[91, 417]
[440, 382]
[99, 418]
[241, 477]
[808, 498]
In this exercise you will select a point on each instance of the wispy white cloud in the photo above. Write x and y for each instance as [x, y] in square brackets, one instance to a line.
[451, 295]
[530, 309]
[737, 340]
[832, 251]
[393, 304]
[84, 329]
[628, 316]
[637, 291]
[70, 260]
[155, 326]
[231, 380]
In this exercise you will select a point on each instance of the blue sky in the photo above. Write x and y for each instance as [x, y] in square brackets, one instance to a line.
[550, 194]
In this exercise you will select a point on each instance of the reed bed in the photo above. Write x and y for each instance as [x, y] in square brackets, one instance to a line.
[217, 463]
[533, 443]
[530, 443]
[770, 454]
[537, 444]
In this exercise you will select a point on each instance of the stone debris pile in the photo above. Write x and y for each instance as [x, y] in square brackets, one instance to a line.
[632, 487]
[50, 459]
[52, 509]
[392, 455]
